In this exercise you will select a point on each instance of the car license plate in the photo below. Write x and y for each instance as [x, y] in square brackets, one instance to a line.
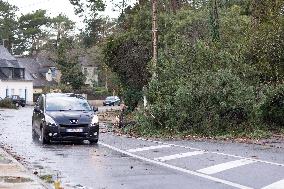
[74, 130]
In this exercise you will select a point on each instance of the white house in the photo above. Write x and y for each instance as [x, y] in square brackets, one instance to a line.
[14, 79]
[90, 71]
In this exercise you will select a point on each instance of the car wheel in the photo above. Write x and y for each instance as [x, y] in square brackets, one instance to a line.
[43, 138]
[17, 104]
[23, 105]
[34, 135]
[95, 141]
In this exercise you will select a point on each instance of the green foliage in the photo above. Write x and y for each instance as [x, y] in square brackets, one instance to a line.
[67, 61]
[31, 30]
[215, 58]
[272, 108]
[8, 23]
[7, 103]
[128, 58]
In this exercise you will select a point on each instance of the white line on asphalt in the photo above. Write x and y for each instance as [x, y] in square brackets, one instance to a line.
[148, 148]
[276, 185]
[223, 154]
[181, 155]
[218, 153]
[225, 166]
[178, 168]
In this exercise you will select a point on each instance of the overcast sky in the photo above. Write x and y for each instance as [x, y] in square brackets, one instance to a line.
[55, 7]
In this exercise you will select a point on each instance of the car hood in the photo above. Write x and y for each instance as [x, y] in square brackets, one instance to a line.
[65, 117]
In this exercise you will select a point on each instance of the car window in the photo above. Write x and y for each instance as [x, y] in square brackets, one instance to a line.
[40, 103]
[110, 98]
[67, 103]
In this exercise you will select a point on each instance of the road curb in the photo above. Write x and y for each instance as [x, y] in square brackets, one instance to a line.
[27, 171]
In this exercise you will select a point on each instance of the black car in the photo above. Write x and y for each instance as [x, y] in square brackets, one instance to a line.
[68, 117]
[17, 100]
[111, 101]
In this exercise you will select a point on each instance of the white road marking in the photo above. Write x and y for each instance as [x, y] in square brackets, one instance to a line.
[276, 185]
[148, 148]
[181, 155]
[225, 166]
[223, 154]
[178, 168]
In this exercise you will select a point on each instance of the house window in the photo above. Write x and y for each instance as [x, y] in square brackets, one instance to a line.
[86, 71]
[22, 75]
[53, 72]
[21, 93]
[12, 92]
[19, 73]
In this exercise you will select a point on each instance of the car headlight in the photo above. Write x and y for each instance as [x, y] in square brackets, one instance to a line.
[95, 120]
[49, 121]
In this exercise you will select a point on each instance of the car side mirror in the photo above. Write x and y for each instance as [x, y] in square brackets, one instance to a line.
[95, 109]
[37, 109]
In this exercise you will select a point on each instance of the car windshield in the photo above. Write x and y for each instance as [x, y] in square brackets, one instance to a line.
[110, 98]
[66, 104]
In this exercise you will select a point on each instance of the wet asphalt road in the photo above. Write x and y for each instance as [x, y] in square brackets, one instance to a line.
[128, 163]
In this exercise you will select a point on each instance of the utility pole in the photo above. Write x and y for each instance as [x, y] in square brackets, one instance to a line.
[155, 36]
[154, 42]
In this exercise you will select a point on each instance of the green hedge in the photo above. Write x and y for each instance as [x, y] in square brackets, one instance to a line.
[7, 103]
[272, 108]
[206, 103]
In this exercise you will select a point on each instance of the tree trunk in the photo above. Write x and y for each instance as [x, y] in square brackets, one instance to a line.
[214, 18]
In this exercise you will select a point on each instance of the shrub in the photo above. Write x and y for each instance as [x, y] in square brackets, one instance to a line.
[7, 103]
[272, 108]
[206, 103]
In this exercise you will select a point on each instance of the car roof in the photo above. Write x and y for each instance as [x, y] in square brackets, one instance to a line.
[48, 95]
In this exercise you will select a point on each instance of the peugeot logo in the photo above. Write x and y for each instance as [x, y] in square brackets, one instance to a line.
[73, 121]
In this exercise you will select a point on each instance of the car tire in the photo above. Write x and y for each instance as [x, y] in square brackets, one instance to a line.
[23, 105]
[95, 141]
[34, 135]
[17, 104]
[43, 138]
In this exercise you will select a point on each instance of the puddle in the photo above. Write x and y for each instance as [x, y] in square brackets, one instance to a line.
[10, 179]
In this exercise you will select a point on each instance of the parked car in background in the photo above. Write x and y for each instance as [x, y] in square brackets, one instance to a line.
[17, 100]
[112, 101]
[60, 117]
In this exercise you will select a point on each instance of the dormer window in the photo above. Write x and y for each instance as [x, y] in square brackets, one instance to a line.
[53, 72]
[19, 73]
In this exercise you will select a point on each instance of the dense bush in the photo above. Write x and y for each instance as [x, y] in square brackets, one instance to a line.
[7, 103]
[206, 103]
[272, 108]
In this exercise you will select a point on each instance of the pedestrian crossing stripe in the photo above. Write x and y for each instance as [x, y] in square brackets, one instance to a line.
[225, 166]
[180, 155]
[148, 148]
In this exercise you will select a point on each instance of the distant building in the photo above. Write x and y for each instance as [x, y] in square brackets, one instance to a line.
[14, 78]
[43, 71]
[90, 71]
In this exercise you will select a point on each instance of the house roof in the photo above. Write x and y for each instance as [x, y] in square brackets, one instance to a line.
[37, 72]
[4, 54]
[8, 61]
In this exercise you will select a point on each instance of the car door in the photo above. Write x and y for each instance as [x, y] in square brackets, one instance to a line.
[37, 115]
